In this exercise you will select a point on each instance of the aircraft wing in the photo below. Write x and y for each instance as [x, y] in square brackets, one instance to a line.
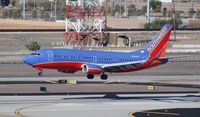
[123, 66]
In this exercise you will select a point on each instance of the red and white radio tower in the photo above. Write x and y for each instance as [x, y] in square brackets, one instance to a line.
[84, 20]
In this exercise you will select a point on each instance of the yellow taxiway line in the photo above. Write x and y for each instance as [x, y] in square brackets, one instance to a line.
[18, 111]
[51, 81]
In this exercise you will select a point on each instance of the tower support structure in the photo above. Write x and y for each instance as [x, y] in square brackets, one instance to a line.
[84, 20]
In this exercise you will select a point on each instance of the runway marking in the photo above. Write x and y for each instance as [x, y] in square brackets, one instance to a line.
[109, 82]
[18, 111]
[51, 81]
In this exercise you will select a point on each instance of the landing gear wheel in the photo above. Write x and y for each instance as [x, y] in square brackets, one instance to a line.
[104, 76]
[40, 73]
[90, 76]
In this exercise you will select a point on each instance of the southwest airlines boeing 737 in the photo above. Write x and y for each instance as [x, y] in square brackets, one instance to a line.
[93, 62]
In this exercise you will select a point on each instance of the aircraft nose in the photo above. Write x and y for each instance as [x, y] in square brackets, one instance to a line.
[26, 60]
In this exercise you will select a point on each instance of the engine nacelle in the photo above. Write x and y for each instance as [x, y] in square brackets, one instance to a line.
[92, 69]
[66, 71]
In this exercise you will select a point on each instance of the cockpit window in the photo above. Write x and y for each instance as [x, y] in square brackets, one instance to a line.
[34, 53]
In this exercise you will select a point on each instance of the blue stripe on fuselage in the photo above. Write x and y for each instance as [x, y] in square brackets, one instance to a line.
[93, 56]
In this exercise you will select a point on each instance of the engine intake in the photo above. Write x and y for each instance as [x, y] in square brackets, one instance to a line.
[92, 69]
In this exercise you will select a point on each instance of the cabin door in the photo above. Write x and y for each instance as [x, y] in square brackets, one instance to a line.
[50, 55]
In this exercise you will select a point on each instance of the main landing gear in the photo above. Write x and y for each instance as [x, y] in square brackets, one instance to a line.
[90, 76]
[103, 76]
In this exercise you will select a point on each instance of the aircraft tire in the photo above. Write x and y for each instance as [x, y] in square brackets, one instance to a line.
[104, 76]
[90, 76]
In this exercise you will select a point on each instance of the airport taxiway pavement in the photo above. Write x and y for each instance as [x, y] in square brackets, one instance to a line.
[92, 106]
[174, 79]
[96, 105]
[22, 70]
[121, 84]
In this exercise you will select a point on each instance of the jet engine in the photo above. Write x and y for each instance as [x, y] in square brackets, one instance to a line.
[92, 69]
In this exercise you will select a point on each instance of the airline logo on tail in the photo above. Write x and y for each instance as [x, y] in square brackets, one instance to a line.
[157, 39]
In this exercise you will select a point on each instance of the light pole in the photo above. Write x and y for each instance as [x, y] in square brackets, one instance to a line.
[55, 9]
[125, 7]
[23, 13]
[174, 16]
[106, 14]
[148, 13]
[34, 4]
[51, 11]
[120, 6]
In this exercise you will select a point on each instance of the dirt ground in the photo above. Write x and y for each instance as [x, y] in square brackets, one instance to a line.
[26, 24]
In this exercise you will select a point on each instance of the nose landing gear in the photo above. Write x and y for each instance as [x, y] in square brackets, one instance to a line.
[40, 70]
[40, 73]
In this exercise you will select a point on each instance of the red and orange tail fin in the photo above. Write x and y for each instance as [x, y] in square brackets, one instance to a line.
[163, 52]
[157, 47]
